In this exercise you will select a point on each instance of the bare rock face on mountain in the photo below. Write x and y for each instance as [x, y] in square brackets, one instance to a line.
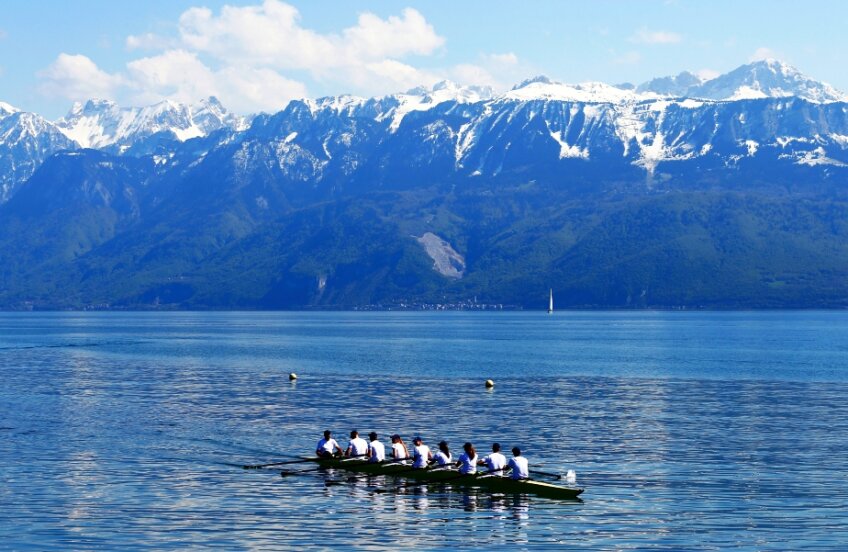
[446, 261]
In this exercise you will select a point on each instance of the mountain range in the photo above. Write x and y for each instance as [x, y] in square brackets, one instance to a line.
[679, 192]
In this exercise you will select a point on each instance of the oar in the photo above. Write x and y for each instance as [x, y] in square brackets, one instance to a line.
[439, 482]
[319, 468]
[571, 477]
[546, 474]
[257, 466]
[330, 482]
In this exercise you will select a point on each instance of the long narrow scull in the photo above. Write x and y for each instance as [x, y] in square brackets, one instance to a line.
[491, 483]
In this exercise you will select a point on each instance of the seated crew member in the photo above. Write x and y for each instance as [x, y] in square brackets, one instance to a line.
[376, 449]
[496, 462]
[468, 460]
[518, 465]
[357, 445]
[327, 446]
[399, 450]
[420, 453]
[443, 457]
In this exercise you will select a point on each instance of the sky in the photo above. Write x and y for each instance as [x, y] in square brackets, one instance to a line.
[257, 55]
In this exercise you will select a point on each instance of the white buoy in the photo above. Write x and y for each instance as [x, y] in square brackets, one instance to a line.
[292, 376]
[489, 384]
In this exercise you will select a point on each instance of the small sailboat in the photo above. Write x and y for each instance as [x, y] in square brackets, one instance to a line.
[551, 303]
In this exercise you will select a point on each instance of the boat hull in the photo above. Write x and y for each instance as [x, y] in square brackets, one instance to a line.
[439, 475]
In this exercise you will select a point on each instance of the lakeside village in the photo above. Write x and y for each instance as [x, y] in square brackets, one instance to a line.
[467, 305]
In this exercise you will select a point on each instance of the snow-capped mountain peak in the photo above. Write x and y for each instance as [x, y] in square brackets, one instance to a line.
[7, 109]
[543, 88]
[538, 78]
[768, 78]
[423, 98]
[446, 90]
[102, 123]
[677, 86]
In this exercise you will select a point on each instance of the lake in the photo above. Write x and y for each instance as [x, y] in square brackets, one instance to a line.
[703, 430]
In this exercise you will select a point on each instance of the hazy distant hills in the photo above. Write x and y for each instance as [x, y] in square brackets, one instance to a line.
[679, 192]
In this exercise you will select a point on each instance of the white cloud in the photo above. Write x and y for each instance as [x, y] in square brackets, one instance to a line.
[247, 89]
[245, 54]
[508, 58]
[265, 35]
[76, 77]
[628, 58]
[149, 41]
[763, 53]
[271, 35]
[374, 38]
[474, 74]
[707, 74]
[176, 74]
[646, 36]
[398, 75]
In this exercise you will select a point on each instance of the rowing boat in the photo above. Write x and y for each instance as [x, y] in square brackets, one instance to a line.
[489, 482]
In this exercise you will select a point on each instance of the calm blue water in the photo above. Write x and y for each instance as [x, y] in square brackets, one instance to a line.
[688, 430]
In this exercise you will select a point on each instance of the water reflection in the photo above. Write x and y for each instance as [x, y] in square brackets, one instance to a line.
[687, 431]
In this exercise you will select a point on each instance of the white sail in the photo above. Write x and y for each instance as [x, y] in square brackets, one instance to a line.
[551, 303]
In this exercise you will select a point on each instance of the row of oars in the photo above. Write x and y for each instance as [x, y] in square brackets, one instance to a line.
[286, 473]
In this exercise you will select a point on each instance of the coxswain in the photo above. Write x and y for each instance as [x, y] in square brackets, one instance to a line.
[327, 446]
[420, 453]
[495, 462]
[376, 449]
[518, 465]
[443, 457]
[468, 460]
[357, 446]
[399, 450]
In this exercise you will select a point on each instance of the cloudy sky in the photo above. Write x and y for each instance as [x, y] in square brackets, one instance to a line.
[257, 55]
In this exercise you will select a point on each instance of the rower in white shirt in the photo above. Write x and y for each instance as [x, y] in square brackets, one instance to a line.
[327, 446]
[518, 465]
[496, 462]
[420, 453]
[443, 457]
[399, 450]
[376, 449]
[357, 445]
[468, 460]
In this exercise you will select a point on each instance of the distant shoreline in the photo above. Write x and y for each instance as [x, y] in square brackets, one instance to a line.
[505, 308]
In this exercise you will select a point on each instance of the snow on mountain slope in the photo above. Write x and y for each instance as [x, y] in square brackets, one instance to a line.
[761, 79]
[422, 99]
[102, 123]
[677, 86]
[542, 88]
[470, 130]
[768, 78]
[26, 140]
[395, 107]
[6, 109]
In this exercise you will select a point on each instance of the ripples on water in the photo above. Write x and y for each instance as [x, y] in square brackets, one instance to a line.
[707, 430]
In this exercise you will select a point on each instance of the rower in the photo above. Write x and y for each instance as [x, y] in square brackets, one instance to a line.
[468, 460]
[327, 446]
[443, 457]
[421, 453]
[496, 462]
[376, 449]
[399, 450]
[518, 465]
[357, 445]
